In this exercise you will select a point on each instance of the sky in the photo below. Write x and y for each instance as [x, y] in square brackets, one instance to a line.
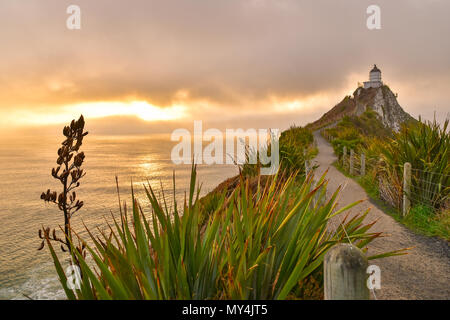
[153, 66]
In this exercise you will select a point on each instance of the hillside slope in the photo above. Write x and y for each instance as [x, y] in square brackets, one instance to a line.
[381, 100]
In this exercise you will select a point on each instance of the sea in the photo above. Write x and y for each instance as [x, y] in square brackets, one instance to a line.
[25, 172]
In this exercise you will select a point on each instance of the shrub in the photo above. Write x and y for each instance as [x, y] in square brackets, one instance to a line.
[426, 145]
[356, 132]
[260, 244]
[295, 146]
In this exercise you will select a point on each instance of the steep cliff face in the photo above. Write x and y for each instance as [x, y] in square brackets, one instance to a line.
[381, 100]
[384, 103]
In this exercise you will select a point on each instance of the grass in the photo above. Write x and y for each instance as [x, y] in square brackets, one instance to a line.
[424, 220]
[425, 145]
[265, 241]
[356, 132]
[295, 147]
[421, 219]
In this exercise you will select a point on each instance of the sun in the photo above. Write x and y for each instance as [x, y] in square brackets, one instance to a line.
[90, 110]
[141, 109]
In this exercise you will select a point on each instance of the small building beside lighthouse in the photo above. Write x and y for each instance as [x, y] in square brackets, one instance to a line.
[374, 78]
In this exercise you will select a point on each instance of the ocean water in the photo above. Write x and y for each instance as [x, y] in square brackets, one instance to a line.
[25, 167]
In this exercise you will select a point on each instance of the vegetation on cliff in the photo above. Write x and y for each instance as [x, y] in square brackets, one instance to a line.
[295, 147]
[267, 243]
[380, 100]
[423, 144]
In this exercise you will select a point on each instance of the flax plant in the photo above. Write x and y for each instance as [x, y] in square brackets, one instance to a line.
[426, 145]
[69, 172]
[256, 244]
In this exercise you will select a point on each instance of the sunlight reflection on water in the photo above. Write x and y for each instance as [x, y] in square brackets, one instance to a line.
[25, 173]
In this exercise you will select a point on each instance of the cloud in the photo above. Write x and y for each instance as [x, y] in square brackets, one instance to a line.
[235, 55]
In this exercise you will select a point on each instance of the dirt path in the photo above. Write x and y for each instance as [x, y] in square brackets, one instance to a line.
[422, 274]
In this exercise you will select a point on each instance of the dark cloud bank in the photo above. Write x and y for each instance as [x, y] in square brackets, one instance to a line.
[231, 53]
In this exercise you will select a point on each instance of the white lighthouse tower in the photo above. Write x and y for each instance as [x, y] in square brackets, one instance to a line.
[374, 78]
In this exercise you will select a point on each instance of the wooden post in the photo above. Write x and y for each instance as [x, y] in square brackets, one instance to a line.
[363, 164]
[406, 188]
[345, 277]
[344, 154]
[352, 155]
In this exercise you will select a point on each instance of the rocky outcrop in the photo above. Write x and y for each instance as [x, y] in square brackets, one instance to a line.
[381, 100]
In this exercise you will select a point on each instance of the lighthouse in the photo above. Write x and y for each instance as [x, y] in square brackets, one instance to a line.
[374, 78]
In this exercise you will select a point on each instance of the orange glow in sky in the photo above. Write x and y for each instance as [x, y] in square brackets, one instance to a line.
[141, 109]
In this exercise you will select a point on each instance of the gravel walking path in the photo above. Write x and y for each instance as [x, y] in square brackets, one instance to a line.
[424, 273]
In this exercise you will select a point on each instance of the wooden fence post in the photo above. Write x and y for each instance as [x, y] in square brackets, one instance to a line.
[352, 155]
[345, 273]
[406, 188]
[363, 164]
[344, 153]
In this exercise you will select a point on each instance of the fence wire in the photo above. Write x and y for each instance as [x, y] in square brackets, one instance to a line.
[428, 188]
